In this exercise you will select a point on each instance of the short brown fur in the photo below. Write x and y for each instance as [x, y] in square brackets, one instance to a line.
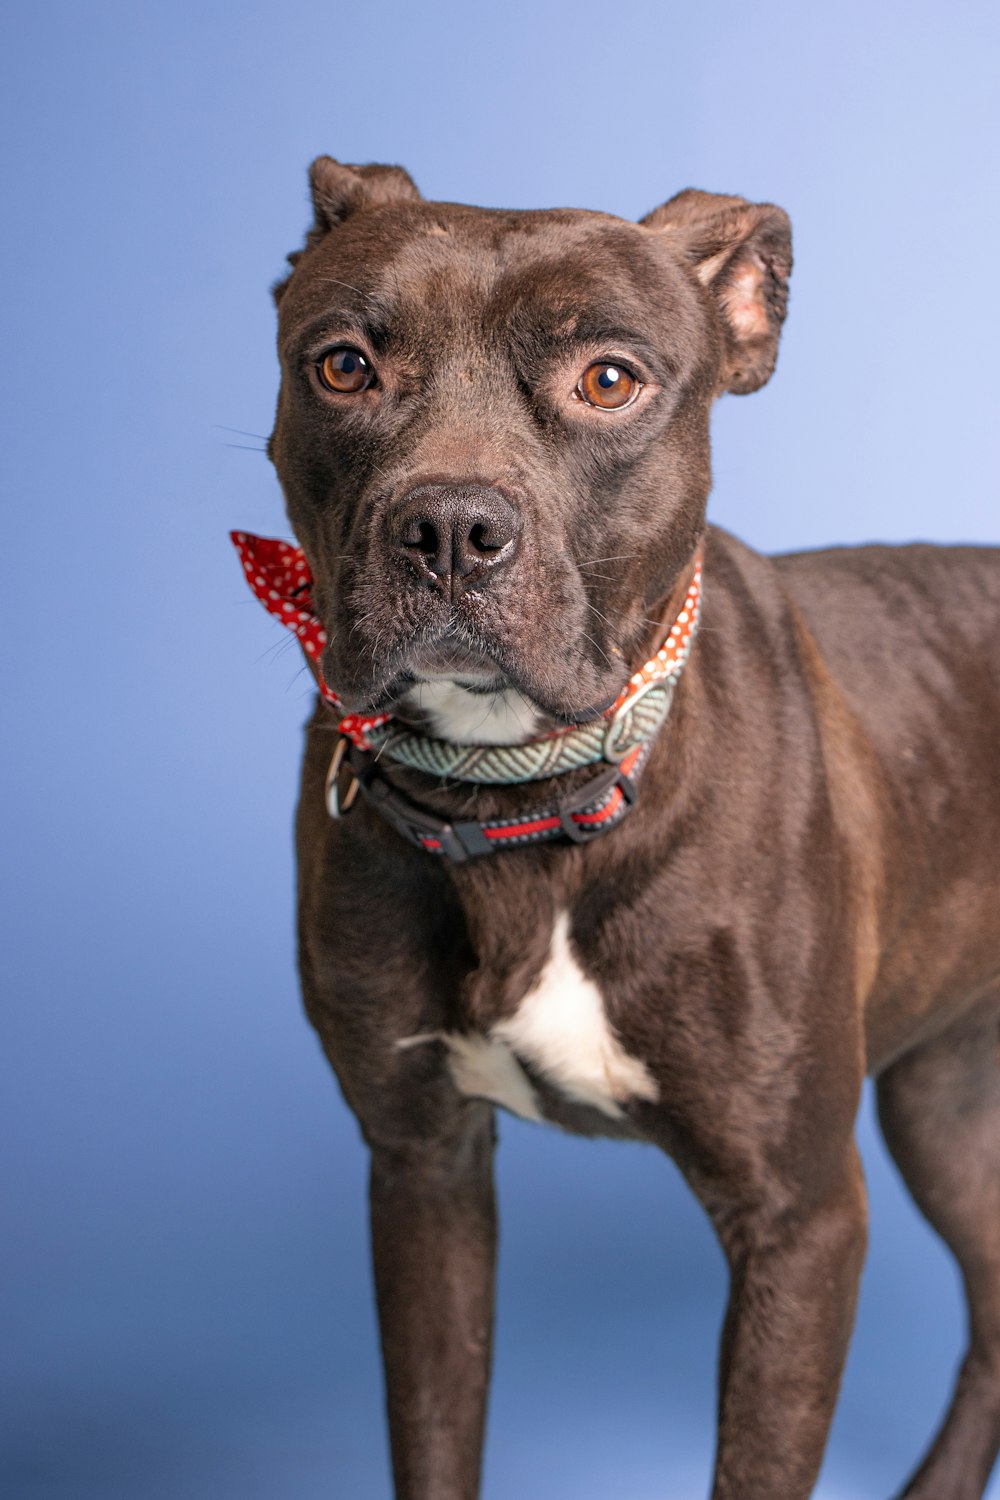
[819, 820]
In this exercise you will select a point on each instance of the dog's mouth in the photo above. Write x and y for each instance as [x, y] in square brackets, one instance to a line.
[453, 657]
[452, 662]
[538, 680]
[441, 656]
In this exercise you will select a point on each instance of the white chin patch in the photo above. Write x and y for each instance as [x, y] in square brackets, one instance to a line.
[454, 712]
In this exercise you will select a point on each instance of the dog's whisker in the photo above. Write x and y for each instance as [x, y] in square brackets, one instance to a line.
[335, 281]
[596, 647]
[619, 557]
[240, 431]
[277, 648]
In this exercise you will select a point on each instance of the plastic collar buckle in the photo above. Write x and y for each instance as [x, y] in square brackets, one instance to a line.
[601, 786]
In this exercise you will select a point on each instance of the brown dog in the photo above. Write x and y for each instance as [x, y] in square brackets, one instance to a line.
[493, 438]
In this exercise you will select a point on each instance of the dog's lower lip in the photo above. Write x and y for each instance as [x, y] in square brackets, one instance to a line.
[399, 685]
[585, 715]
[450, 655]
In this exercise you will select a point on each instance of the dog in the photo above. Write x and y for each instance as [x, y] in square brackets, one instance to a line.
[610, 821]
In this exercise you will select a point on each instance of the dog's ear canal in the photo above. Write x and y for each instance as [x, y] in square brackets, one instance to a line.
[742, 254]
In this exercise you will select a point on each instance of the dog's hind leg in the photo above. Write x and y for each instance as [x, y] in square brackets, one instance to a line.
[940, 1112]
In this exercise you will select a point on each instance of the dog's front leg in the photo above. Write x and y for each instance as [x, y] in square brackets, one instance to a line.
[794, 1278]
[433, 1240]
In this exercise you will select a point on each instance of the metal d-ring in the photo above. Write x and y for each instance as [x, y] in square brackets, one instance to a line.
[335, 805]
[613, 753]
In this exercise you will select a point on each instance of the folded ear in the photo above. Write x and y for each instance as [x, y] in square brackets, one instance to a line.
[338, 190]
[742, 253]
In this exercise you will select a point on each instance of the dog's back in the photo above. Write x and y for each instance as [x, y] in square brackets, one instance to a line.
[868, 606]
[911, 635]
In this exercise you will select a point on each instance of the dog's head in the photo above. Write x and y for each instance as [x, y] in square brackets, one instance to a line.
[493, 426]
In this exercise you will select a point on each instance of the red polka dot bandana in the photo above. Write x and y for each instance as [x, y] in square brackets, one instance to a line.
[279, 575]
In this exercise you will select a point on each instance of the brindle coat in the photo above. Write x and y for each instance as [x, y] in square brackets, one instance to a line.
[809, 887]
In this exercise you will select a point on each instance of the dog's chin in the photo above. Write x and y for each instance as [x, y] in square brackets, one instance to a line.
[489, 708]
[451, 660]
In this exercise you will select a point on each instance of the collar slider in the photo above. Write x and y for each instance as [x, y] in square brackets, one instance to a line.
[623, 733]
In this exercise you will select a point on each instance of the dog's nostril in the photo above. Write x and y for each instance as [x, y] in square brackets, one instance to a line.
[429, 539]
[422, 536]
[484, 538]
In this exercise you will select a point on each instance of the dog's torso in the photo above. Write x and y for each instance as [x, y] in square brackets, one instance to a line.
[608, 987]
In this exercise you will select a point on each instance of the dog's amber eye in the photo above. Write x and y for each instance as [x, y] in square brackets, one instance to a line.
[345, 371]
[607, 385]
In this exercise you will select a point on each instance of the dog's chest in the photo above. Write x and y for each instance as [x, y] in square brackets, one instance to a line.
[559, 1032]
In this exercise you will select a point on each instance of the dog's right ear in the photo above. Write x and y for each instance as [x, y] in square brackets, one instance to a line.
[339, 190]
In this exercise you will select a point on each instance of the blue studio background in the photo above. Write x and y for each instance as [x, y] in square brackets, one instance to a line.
[184, 1243]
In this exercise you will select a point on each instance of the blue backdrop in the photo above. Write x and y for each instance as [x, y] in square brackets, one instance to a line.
[185, 1242]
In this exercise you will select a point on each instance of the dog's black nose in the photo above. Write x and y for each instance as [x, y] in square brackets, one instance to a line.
[454, 536]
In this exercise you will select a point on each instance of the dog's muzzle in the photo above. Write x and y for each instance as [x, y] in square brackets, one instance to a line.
[622, 739]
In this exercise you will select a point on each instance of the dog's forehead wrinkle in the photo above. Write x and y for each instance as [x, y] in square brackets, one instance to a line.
[488, 286]
[445, 272]
[484, 246]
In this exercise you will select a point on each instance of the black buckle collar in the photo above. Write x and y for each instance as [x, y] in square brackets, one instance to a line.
[579, 817]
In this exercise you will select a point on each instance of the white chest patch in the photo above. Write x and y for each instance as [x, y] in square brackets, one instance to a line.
[487, 1069]
[483, 1069]
[456, 713]
[560, 1028]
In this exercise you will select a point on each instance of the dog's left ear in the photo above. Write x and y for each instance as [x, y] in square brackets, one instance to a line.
[742, 254]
